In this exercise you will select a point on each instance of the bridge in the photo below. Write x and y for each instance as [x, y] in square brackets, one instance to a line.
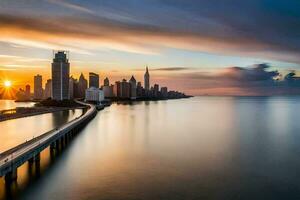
[29, 151]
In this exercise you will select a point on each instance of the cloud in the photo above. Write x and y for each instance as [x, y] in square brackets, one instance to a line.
[171, 69]
[254, 80]
[256, 29]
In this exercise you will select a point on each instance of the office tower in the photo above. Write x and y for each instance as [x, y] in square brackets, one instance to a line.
[60, 75]
[106, 82]
[117, 89]
[38, 88]
[125, 89]
[72, 83]
[164, 92]
[147, 79]
[155, 90]
[108, 91]
[82, 86]
[132, 83]
[139, 90]
[48, 89]
[93, 80]
[27, 91]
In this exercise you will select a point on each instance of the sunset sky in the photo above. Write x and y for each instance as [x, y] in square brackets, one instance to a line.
[217, 47]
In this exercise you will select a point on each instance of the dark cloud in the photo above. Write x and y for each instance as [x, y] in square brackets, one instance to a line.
[258, 28]
[255, 80]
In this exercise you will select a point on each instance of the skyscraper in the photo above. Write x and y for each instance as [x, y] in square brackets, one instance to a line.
[82, 86]
[106, 82]
[60, 76]
[93, 80]
[27, 91]
[48, 89]
[147, 79]
[38, 88]
[132, 83]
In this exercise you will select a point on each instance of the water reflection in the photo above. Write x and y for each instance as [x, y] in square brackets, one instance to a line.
[10, 104]
[17, 131]
[199, 148]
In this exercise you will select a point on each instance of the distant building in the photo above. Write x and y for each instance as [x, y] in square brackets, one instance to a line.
[94, 94]
[117, 89]
[38, 88]
[21, 95]
[155, 90]
[125, 89]
[139, 90]
[72, 82]
[108, 91]
[93, 80]
[132, 83]
[106, 82]
[147, 79]
[82, 86]
[48, 89]
[27, 91]
[60, 76]
[164, 92]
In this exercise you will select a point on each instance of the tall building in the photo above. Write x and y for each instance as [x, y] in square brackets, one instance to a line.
[117, 89]
[82, 86]
[164, 92]
[132, 83]
[72, 82]
[48, 89]
[60, 76]
[139, 90]
[106, 82]
[93, 80]
[147, 79]
[155, 90]
[125, 89]
[38, 88]
[27, 91]
[108, 91]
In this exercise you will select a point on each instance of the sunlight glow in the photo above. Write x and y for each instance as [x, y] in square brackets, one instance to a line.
[7, 84]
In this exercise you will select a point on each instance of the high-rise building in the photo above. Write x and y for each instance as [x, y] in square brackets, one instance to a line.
[139, 90]
[82, 86]
[48, 89]
[72, 82]
[60, 75]
[108, 91]
[147, 79]
[93, 80]
[125, 89]
[164, 92]
[38, 88]
[106, 82]
[27, 91]
[155, 90]
[117, 89]
[132, 83]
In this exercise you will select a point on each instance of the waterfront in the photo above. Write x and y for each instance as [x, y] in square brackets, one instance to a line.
[11, 104]
[198, 148]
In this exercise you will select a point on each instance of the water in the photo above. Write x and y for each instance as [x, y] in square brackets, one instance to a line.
[10, 104]
[198, 148]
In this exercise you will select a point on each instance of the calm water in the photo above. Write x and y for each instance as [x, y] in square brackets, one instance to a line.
[198, 148]
[10, 104]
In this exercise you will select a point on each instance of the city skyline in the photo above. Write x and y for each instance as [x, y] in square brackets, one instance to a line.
[204, 47]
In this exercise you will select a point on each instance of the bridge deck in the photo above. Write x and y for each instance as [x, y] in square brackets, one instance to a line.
[15, 157]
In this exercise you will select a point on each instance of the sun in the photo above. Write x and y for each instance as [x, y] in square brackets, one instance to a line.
[7, 84]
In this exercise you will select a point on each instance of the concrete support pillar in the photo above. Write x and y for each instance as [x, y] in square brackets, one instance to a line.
[11, 176]
[53, 146]
[57, 144]
[35, 158]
